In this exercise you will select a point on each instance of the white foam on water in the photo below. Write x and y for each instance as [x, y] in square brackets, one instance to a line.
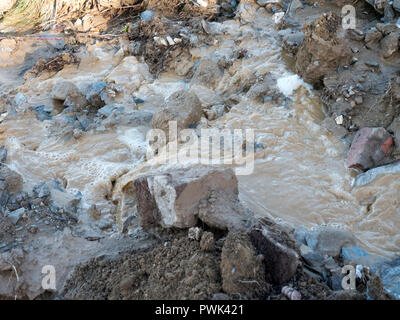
[289, 84]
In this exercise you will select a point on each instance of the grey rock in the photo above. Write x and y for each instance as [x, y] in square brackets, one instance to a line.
[375, 173]
[19, 100]
[147, 15]
[390, 44]
[16, 215]
[62, 89]
[93, 94]
[41, 190]
[3, 154]
[388, 14]
[207, 73]
[300, 235]
[183, 107]
[396, 5]
[330, 241]
[207, 242]
[390, 274]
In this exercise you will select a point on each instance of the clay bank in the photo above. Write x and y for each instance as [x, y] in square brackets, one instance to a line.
[87, 189]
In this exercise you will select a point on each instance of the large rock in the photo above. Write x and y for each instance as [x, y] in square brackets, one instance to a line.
[62, 89]
[372, 37]
[179, 197]
[281, 255]
[323, 50]
[183, 107]
[242, 271]
[370, 147]
[329, 240]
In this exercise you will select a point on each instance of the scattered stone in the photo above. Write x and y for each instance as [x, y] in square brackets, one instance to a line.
[242, 273]
[372, 64]
[41, 190]
[147, 15]
[291, 293]
[388, 14]
[207, 242]
[207, 73]
[3, 154]
[396, 5]
[14, 180]
[372, 37]
[390, 274]
[291, 40]
[19, 100]
[330, 241]
[195, 233]
[370, 147]
[375, 289]
[353, 253]
[183, 107]
[16, 215]
[333, 127]
[93, 94]
[389, 45]
[62, 89]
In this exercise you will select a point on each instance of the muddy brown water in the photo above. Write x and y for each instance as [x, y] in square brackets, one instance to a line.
[299, 178]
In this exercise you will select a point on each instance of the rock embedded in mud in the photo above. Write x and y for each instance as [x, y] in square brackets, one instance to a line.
[62, 89]
[372, 37]
[242, 272]
[323, 50]
[173, 199]
[389, 272]
[370, 147]
[183, 107]
[207, 242]
[16, 215]
[281, 256]
[329, 240]
[207, 73]
[195, 233]
[390, 44]
[93, 94]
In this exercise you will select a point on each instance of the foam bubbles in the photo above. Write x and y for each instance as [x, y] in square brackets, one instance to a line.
[289, 84]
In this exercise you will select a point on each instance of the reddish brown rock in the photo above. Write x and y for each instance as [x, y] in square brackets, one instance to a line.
[370, 147]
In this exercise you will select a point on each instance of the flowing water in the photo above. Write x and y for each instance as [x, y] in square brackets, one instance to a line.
[299, 177]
